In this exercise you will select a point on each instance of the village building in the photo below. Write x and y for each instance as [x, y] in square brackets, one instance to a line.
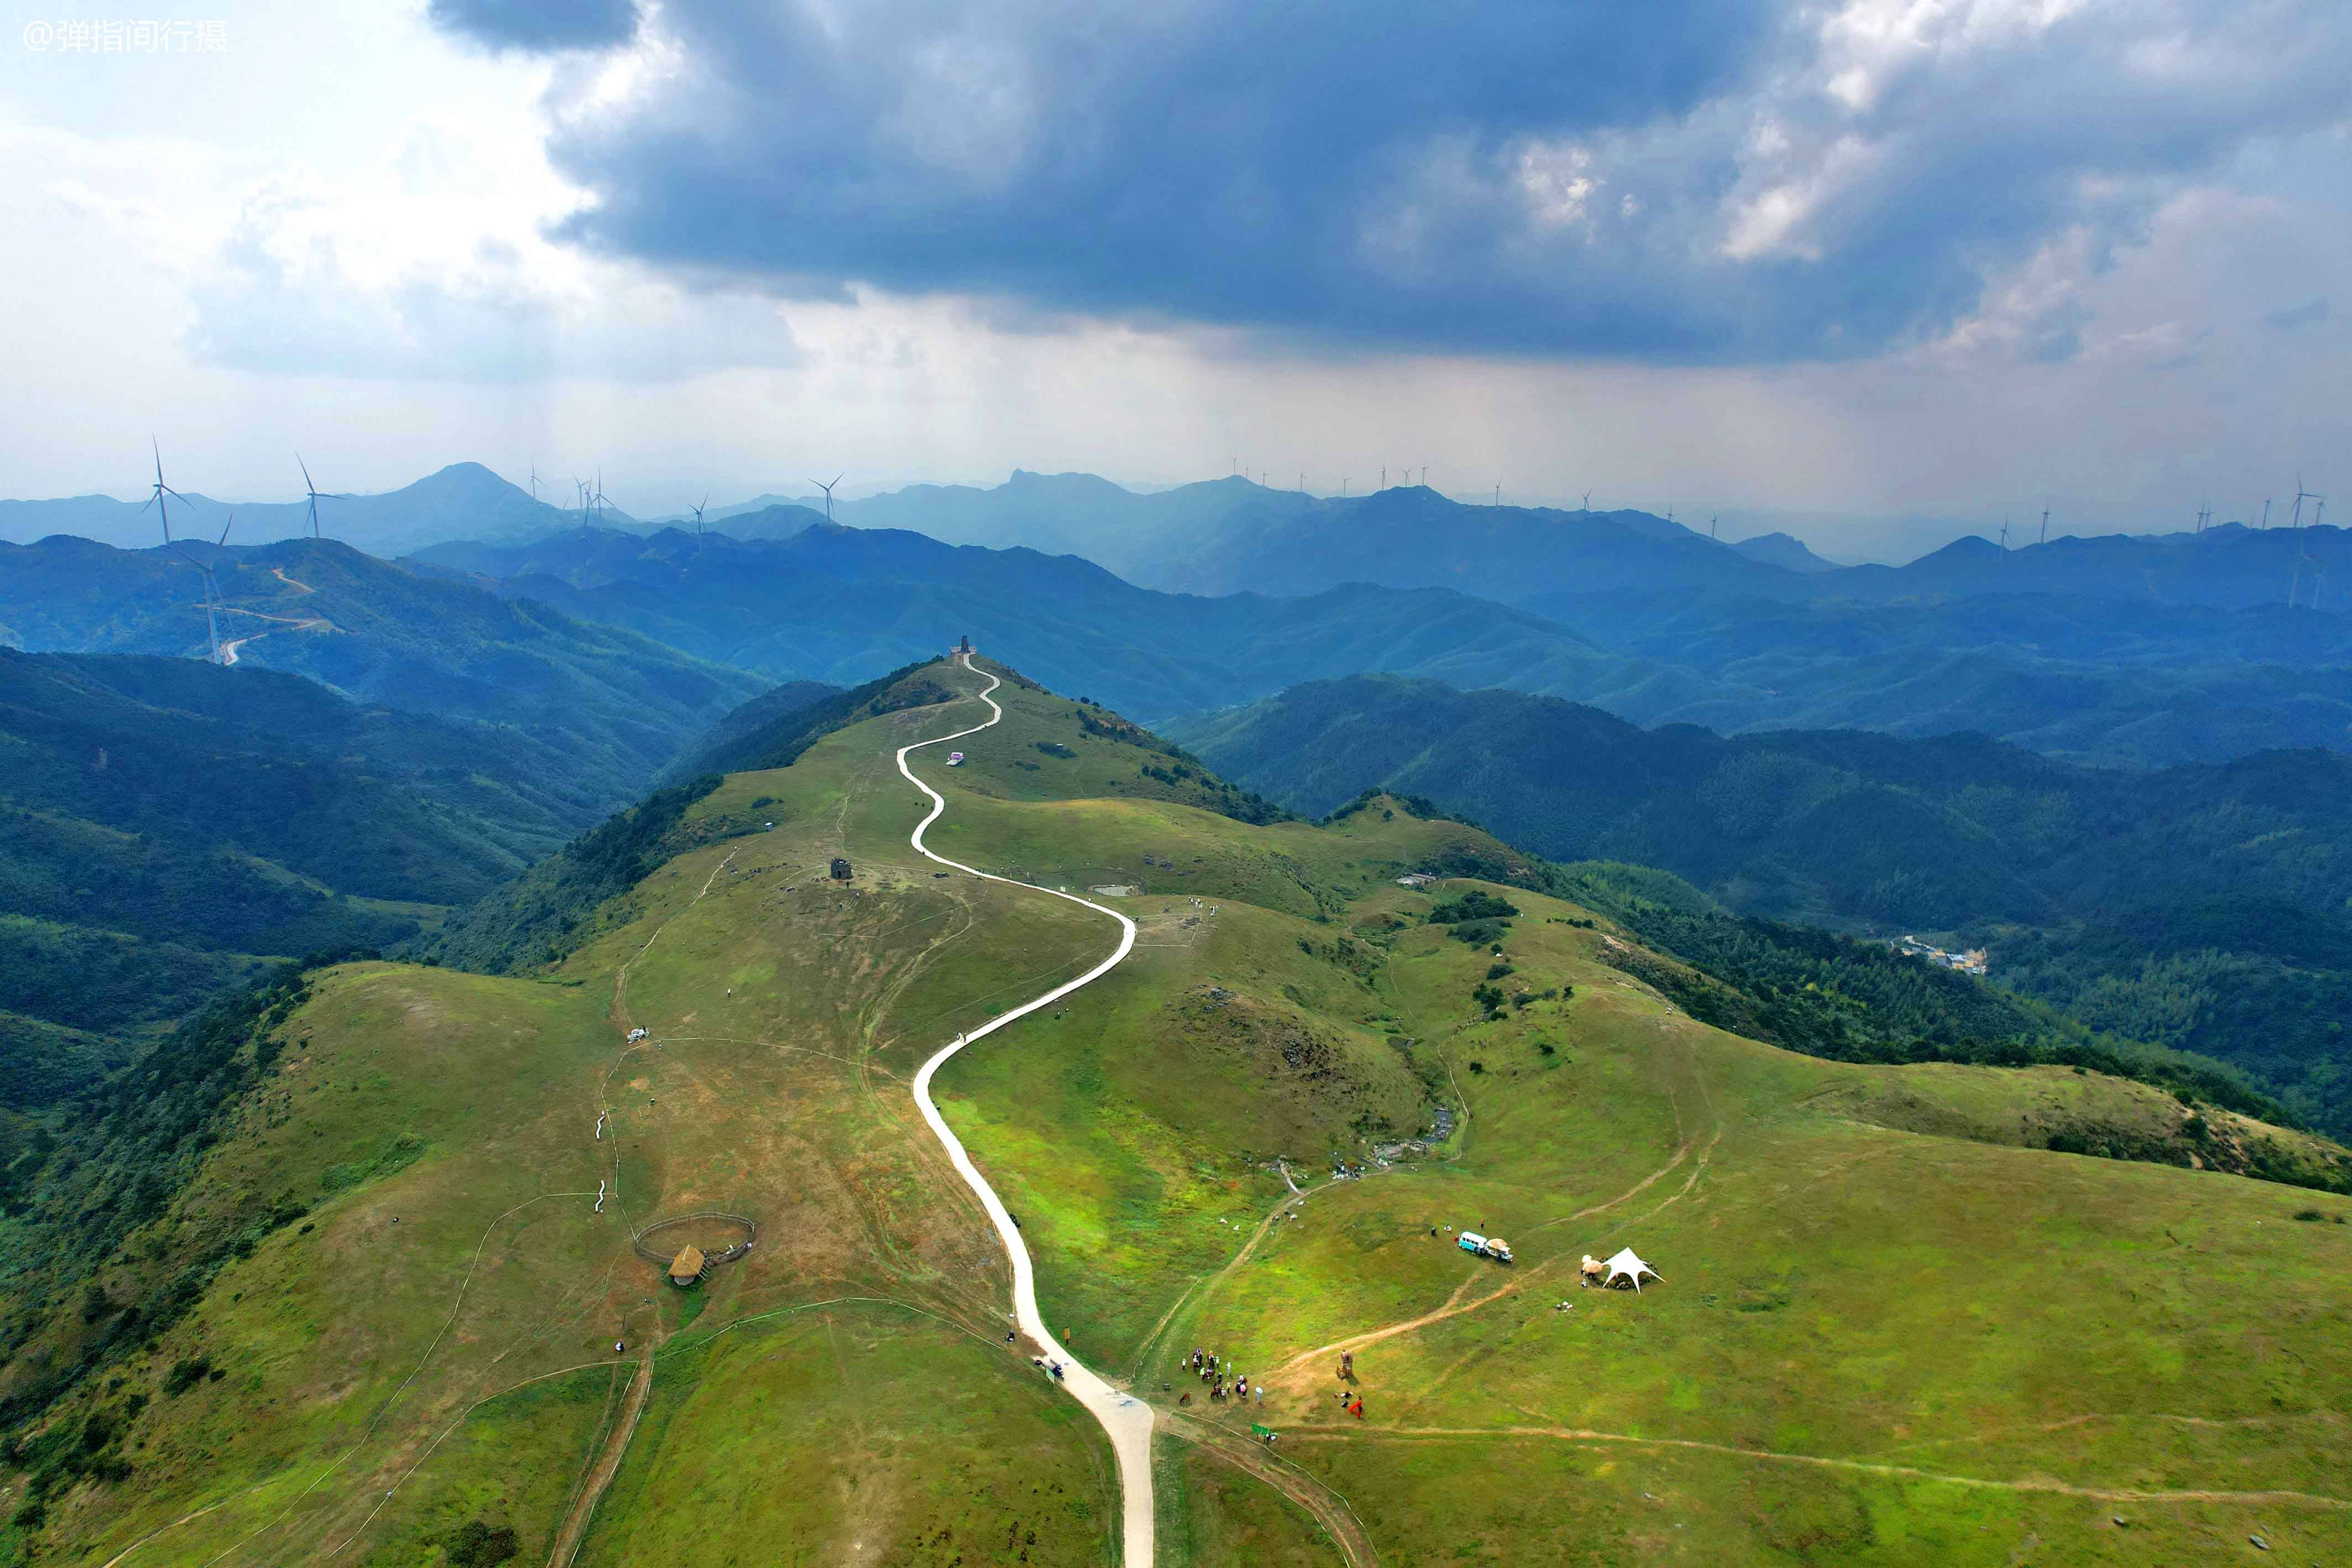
[687, 1267]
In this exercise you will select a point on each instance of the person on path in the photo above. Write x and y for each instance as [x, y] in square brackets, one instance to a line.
[1347, 1365]
[1258, 1394]
[1357, 1409]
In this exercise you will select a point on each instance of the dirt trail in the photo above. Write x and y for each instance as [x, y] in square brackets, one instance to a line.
[298, 622]
[1328, 1507]
[608, 1465]
[1905, 1472]
[1455, 1306]
[1206, 1283]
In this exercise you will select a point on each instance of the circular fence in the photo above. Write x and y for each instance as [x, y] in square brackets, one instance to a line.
[652, 1252]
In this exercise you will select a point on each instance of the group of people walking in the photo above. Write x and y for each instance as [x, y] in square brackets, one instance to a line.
[1204, 1364]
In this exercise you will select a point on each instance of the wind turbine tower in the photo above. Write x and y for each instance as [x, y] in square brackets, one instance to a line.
[315, 494]
[162, 507]
[162, 501]
[828, 493]
[2045, 526]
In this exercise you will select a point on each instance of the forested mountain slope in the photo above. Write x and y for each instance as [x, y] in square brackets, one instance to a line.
[2203, 907]
[162, 819]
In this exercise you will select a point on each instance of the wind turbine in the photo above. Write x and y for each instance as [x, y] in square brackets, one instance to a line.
[1588, 500]
[2302, 558]
[1498, 492]
[162, 507]
[698, 519]
[534, 478]
[2301, 495]
[315, 493]
[1710, 525]
[828, 493]
[2045, 526]
[2204, 515]
[212, 587]
[161, 501]
[2004, 536]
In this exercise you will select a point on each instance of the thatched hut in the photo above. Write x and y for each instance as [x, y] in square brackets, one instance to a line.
[688, 1266]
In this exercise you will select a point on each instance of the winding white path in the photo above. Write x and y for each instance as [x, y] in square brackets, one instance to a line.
[1126, 1419]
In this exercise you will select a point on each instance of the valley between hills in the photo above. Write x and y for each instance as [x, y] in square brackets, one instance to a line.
[402, 1309]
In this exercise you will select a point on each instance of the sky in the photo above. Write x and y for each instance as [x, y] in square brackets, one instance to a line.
[1873, 270]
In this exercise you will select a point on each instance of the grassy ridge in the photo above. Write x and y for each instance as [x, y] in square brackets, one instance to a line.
[2202, 908]
[1889, 1322]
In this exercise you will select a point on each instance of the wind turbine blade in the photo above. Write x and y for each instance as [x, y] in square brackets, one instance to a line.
[224, 528]
[306, 483]
[837, 478]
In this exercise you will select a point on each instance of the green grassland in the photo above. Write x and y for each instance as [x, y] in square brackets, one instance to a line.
[1895, 1326]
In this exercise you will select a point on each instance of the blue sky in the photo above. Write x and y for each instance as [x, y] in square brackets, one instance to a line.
[1859, 258]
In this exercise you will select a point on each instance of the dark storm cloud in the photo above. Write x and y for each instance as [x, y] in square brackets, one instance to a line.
[1689, 180]
[539, 25]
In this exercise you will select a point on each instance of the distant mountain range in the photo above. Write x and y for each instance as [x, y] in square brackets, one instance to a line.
[613, 705]
[841, 604]
[2202, 907]
[1229, 535]
[463, 500]
[2130, 684]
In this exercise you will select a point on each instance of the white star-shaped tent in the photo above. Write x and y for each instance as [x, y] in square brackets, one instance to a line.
[1631, 1267]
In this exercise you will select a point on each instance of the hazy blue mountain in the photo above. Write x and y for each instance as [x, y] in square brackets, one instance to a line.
[2200, 906]
[2098, 681]
[1411, 536]
[463, 500]
[1134, 535]
[613, 705]
[841, 604]
[2115, 683]
[1784, 549]
[2232, 566]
